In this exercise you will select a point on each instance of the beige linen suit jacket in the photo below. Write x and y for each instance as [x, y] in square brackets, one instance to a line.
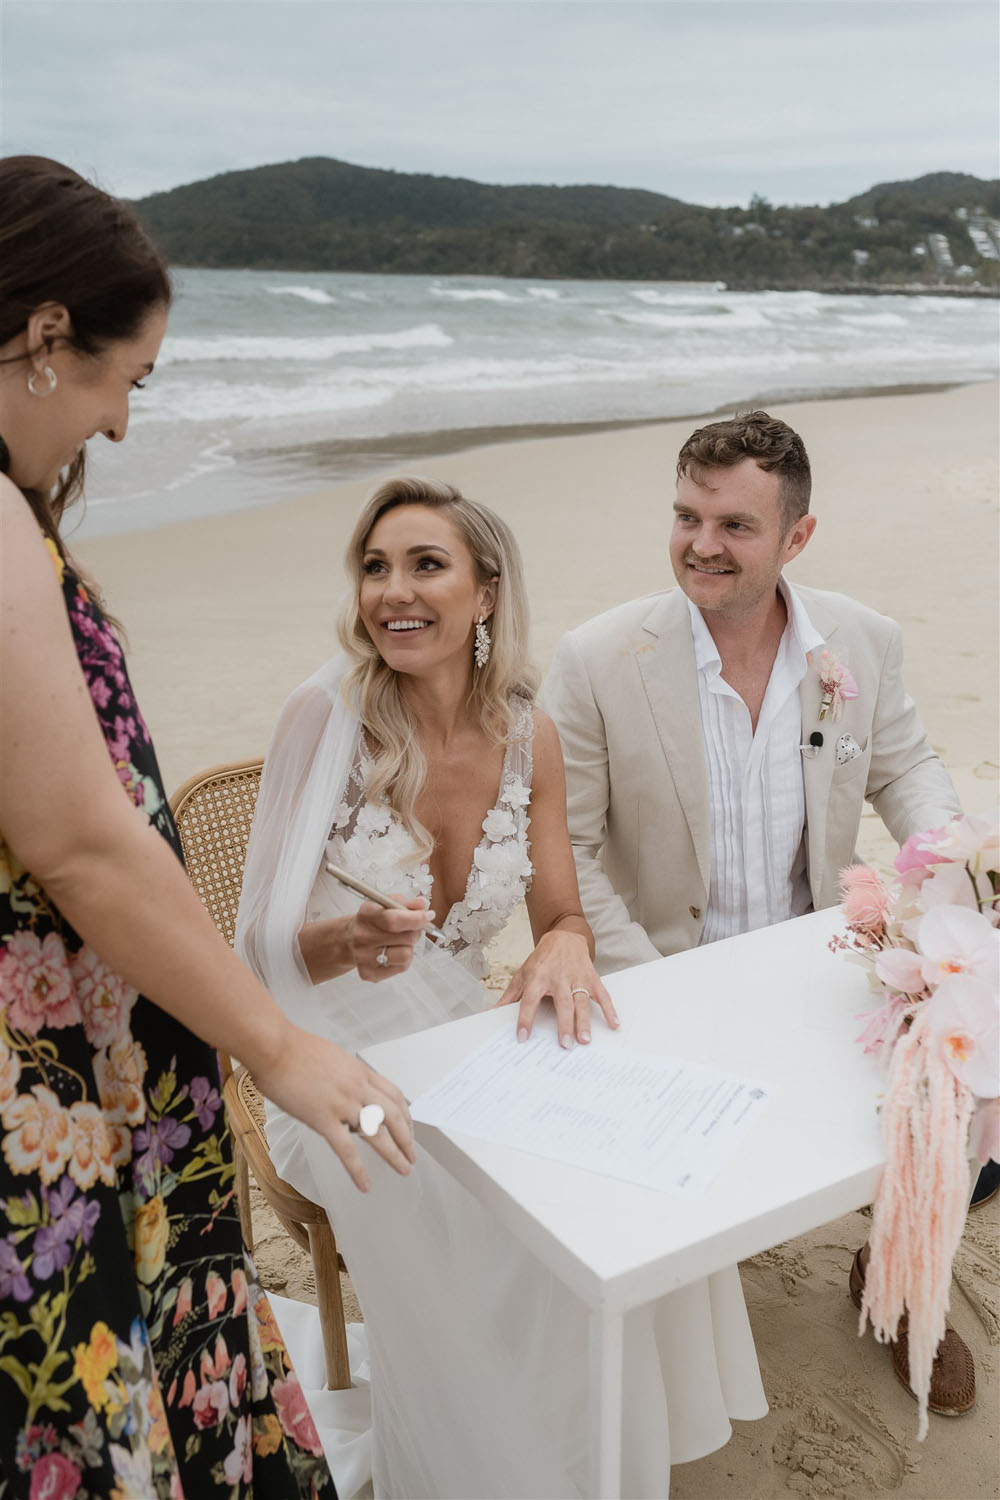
[623, 691]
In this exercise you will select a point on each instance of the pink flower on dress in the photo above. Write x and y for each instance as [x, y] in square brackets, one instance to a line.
[238, 1380]
[239, 1291]
[35, 982]
[211, 1404]
[183, 1304]
[188, 1390]
[105, 999]
[54, 1477]
[866, 901]
[215, 1290]
[294, 1415]
[238, 1465]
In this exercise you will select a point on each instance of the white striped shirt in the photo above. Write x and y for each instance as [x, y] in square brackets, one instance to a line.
[756, 795]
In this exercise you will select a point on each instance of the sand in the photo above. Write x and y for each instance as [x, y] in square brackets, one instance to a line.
[225, 615]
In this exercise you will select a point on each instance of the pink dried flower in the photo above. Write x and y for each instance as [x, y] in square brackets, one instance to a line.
[866, 901]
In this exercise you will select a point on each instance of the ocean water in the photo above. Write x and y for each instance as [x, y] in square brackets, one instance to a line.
[272, 383]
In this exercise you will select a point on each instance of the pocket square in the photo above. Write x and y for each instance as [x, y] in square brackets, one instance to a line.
[847, 749]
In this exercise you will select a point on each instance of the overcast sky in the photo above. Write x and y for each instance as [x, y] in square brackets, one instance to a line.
[805, 101]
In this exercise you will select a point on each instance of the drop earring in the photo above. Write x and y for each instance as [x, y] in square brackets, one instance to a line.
[50, 376]
[481, 650]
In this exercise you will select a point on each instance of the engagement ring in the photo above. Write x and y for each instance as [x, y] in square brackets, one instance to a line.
[381, 958]
[581, 991]
[371, 1119]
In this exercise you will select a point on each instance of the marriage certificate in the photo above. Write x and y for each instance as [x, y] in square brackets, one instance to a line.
[663, 1122]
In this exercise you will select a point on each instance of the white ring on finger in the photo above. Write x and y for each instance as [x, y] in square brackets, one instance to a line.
[382, 957]
[371, 1119]
[581, 991]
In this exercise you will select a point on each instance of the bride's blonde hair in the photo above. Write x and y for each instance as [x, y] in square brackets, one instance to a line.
[400, 766]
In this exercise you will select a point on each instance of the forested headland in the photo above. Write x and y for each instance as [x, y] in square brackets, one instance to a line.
[941, 231]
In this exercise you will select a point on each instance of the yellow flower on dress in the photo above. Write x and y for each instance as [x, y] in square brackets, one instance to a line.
[93, 1363]
[151, 1230]
[267, 1435]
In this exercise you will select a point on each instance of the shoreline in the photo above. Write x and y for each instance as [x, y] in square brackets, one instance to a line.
[343, 460]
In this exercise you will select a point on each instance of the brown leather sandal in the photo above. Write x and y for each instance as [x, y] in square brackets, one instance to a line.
[953, 1373]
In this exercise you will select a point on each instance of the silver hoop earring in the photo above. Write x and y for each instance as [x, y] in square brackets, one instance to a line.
[50, 376]
[481, 650]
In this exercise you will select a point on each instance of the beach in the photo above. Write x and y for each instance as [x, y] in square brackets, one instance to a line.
[226, 613]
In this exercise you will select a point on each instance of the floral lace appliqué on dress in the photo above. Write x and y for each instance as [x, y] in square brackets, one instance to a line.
[370, 842]
[139, 1359]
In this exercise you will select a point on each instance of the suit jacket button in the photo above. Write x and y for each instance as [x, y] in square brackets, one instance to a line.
[695, 912]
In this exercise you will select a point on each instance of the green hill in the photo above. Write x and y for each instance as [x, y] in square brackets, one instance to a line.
[323, 214]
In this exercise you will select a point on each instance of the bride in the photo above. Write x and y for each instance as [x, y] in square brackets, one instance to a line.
[417, 762]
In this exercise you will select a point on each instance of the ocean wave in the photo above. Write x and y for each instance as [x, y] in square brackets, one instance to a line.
[234, 348]
[545, 293]
[468, 294]
[873, 320]
[307, 293]
[736, 317]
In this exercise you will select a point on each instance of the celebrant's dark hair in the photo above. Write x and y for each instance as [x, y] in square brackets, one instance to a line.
[772, 444]
[64, 240]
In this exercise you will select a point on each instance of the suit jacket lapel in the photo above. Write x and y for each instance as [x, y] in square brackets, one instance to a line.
[670, 677]
[817, 770]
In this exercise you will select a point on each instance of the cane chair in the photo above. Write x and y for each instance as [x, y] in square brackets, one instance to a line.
[213, 812]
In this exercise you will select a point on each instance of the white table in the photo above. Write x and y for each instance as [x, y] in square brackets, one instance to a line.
[775, 1006]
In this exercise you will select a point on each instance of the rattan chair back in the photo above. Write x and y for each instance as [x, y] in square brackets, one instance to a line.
[214, 812]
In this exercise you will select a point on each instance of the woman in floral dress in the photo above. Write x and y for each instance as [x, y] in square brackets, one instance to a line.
[138, 1355]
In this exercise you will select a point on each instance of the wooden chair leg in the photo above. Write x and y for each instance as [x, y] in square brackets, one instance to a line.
[243, 1196]
[323, 1247]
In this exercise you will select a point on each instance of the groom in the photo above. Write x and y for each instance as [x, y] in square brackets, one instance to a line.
[721, 738]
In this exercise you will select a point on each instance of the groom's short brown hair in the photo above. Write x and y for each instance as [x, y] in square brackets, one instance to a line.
[772, 444]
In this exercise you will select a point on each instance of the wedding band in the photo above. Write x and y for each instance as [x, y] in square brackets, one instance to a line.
[381, 958]
[581, 991]
[371, 1119]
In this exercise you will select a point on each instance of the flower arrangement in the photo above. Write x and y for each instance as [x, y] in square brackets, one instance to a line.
[836, 683]
[931, 943]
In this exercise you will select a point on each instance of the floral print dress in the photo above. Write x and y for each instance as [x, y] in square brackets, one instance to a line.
[139, 1358]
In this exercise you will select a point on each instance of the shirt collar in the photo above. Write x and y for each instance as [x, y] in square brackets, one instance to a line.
[800, 632]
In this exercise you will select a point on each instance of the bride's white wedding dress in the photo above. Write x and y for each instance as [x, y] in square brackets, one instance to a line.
[477, 1355]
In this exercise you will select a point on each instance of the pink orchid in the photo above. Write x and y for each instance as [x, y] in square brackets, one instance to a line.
[949, 885]
[901, 969]
[918, 856]
[965, 1022]
[954, 940]
[836, 682]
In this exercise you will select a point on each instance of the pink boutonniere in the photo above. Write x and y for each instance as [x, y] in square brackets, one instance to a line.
[837, 683]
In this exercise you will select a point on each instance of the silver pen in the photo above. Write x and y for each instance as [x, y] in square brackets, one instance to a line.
[369, 891]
